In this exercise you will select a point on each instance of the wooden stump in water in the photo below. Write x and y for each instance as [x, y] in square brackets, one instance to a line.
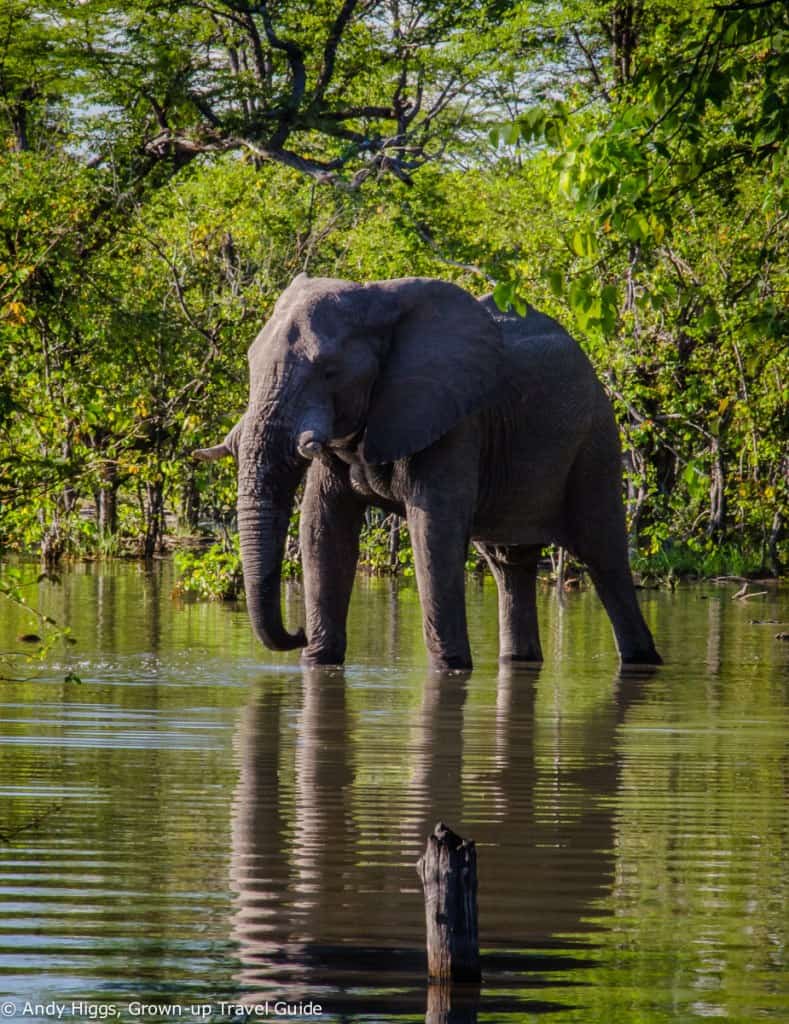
[448, 870]
[452, 1004]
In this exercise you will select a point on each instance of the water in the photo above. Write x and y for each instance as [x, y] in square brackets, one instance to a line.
[199, 822]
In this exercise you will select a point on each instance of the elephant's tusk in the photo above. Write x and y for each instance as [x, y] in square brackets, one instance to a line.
[219, 451]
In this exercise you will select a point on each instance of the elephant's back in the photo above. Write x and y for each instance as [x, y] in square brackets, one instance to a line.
[536, 344]
[546, 367]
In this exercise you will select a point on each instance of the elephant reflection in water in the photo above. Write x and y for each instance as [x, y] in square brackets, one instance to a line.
[536, 800]
[324, 844]
[291, 826]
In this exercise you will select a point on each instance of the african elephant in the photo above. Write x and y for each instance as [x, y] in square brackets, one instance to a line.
[414, 396]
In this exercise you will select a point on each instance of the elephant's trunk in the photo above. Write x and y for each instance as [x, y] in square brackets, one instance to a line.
[265, 497]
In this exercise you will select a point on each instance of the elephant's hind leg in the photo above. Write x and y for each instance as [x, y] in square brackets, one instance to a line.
[514, 569]
[596, 533]
[331, 520]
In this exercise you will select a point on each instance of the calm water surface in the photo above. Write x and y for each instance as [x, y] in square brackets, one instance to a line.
[201, 822]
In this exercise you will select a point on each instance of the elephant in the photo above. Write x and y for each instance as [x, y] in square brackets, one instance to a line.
[473, 424]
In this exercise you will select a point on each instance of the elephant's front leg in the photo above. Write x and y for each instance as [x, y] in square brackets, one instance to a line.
[439, 512]
[440, 542]
[331, 519]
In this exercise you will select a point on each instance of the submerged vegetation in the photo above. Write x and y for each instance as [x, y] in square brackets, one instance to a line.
[165, 171]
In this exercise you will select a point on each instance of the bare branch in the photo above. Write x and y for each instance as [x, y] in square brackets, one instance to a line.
[424, 233]
[178, 288]
[261, 65]
[591, 64]
[6, 836]
[322, 172]
[295, 59]
[353, 113]
[330, 51]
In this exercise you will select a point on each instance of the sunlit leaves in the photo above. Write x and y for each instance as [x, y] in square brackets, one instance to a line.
[633, 187]
[667, 170]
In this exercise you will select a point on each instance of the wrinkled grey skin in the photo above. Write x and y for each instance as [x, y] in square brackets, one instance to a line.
[416, 397]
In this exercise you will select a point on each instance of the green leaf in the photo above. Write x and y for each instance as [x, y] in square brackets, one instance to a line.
[556, 282]
[503, 295]
[584, 243]
[511, 133]
[581, 295]
[638, 228]
[718, 87]
[696, 480]
[609, 308]
[658, 230]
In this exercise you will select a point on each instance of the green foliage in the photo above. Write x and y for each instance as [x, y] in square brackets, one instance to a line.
[217, 575]
[667, 162]
[214, 575]
[159, 188]
[385, 546]
[699, 559]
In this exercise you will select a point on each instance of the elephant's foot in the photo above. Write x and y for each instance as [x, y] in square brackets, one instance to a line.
[449, 663]
[530, 657]
[323, 655]
[647, 656]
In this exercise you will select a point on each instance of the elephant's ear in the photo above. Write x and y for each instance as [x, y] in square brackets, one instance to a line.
[445, 360]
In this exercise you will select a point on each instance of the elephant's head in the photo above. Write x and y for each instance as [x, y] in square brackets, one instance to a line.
[391, 365]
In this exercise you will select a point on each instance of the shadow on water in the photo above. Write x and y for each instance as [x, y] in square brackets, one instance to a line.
[304, 866]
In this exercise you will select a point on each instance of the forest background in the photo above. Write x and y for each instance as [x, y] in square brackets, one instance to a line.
[166, 168]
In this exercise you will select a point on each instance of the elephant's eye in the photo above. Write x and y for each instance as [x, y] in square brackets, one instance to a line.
[330, 373]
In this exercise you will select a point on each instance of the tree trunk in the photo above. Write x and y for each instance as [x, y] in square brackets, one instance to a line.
[55, 537]
[190, 504]
[19, 119]
[154, 518]
[394, 542]
[53, 543]
[772, 545]
[717, 523]
[623, 32]
[107, 501]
